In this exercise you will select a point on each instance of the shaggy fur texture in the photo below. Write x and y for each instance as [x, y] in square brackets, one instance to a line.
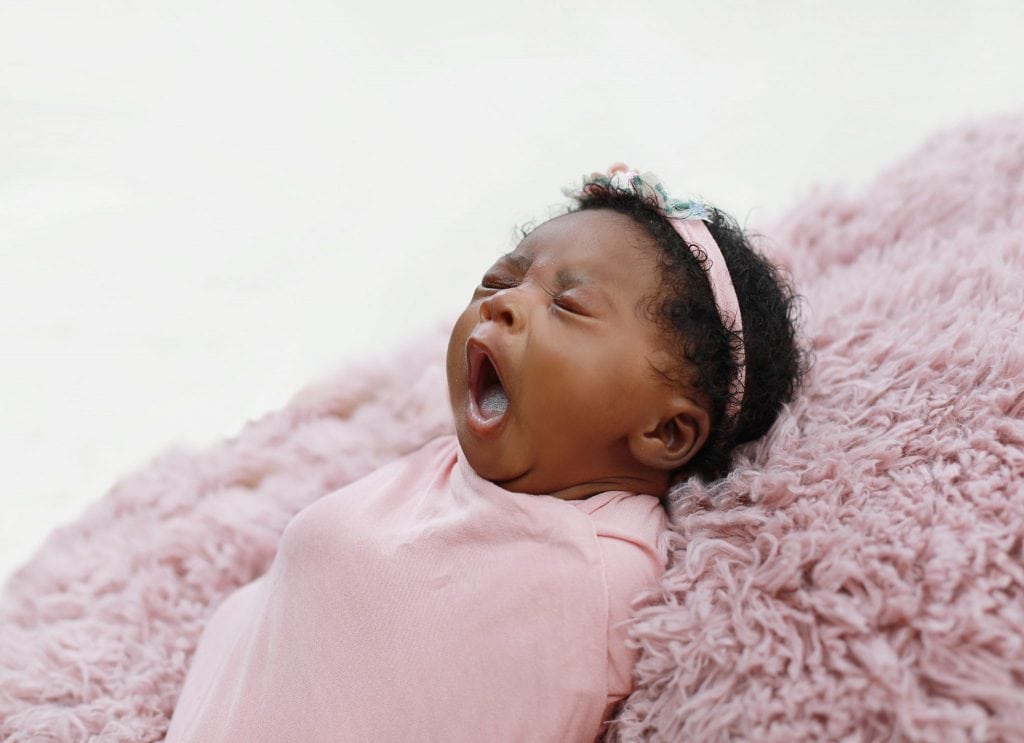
[859, 576]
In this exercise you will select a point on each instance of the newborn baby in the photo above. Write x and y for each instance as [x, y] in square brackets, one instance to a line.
[480, 588]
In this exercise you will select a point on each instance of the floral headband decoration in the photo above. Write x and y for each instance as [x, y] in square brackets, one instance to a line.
[687, 218]
[647, 186]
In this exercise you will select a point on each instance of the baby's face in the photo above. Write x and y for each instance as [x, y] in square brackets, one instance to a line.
[553, 362]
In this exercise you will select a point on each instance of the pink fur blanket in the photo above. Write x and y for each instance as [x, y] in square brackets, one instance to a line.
[860, 575]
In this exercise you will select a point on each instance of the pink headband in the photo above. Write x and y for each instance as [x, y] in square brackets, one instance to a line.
[695, 233]
[687, 218]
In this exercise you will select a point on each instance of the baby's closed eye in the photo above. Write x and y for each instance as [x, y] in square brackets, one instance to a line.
[569, 304]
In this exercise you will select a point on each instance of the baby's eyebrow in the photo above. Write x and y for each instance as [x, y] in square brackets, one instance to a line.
[567, 278]
[520, 262]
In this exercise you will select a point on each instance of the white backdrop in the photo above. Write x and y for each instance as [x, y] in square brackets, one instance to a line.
[205, 205]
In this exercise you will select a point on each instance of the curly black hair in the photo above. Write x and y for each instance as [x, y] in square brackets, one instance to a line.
[686, 311]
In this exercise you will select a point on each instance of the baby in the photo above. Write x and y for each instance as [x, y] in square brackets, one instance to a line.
[480, 588]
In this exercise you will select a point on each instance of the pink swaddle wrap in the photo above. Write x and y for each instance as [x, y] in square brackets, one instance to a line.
[425, 603]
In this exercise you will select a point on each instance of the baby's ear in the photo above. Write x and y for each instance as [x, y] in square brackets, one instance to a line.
[674, 438]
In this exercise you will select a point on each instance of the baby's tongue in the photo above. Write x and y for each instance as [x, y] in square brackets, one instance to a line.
[493, 401]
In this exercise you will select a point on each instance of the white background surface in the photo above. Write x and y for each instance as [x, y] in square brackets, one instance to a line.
[206, 205]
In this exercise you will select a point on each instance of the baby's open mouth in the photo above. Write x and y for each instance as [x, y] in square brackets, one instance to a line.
[485, 384]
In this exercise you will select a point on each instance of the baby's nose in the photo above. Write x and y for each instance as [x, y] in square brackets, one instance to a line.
[502, 308]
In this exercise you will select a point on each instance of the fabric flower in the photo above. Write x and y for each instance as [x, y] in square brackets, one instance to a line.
[648, 186]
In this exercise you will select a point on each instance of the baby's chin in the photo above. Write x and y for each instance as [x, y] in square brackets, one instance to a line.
[528, 480]
[486, 458]
[492, 462]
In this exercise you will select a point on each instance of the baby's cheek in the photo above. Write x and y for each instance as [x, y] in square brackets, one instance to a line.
[570, 390]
